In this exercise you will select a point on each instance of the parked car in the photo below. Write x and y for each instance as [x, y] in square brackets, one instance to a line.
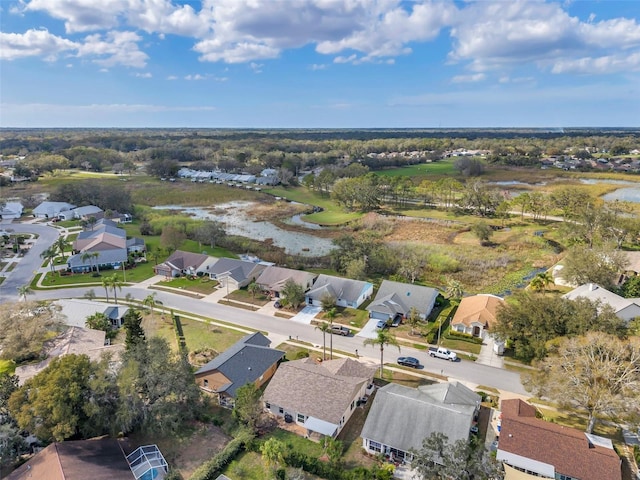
[340, 330]
[382, 324]
[409, 362]
[443, 353]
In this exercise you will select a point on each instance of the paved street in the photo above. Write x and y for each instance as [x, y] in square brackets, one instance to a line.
[465, 370]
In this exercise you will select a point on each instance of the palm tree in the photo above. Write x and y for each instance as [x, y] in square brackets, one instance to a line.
[87, 256]
[105, 284]
[95, 255]
[61, 243]
[454, 289]
[24, 290]
[115, 284]
[541, 281]
[253, 288]
[150, 301]
[50, 254]
[324, 327]
[331, 314]
[383, 337]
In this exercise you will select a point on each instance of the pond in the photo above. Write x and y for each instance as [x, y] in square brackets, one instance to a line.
[237, 221]
[625, 194]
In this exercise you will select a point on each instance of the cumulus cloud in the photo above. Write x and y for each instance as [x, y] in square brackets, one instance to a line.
[599, 65]
[81, 15]
[143, 75]
[32, 43]
[114, 48]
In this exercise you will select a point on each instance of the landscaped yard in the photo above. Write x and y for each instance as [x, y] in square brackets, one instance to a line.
[142, 271]
[348, 316]
[242, 295]
[202, 285]
[197, 334]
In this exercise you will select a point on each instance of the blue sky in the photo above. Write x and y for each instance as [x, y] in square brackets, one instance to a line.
[319, 63]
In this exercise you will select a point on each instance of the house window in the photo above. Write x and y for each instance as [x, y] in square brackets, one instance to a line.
[375, 446]
[280, 410]
[559, 476]
[353, 405]
[301, 418]
[267, 405]
[205, 382]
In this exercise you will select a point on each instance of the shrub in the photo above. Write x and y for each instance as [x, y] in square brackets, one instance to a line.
[302, 354]
[211, 469]
[452, 334]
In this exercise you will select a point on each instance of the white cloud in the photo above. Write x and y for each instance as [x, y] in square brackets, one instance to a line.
[256, 67]
[82, 15]
[32, 43]
[114, 48]
[498, 35]
[599, 65]
[172, 77]
[317, 66]
[143, 75]
[196, 76]
[475, 77]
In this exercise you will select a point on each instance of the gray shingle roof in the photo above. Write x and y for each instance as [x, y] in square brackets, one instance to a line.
[595, 292]
[321, 390]
[397, 297]
[344, 288]
[244, 362]
[274, 278]
[182, 260]
[238, 269]
[402, 417]
[106, 257]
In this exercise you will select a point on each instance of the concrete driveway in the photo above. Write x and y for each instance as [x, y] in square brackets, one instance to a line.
[369, 330]
[307, 314]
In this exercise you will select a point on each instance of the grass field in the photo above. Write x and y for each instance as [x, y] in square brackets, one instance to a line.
[435, 169]
[202, 285]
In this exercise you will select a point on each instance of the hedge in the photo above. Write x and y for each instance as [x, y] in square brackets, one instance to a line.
[465, 337]
[211, 469]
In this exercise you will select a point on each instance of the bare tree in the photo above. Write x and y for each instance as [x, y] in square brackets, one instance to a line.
[597, 373]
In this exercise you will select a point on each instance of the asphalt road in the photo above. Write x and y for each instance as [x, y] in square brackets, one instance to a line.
[23, 273]
[462, 370]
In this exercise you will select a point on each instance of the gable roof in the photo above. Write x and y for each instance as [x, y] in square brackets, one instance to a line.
[244, 362]
[275, 278]
[595, 292]
[86, 210]
[320, 390]
[344, 288]
[571, 451]
[398, 297]
[181, 260]
[113, 255]
[482, 309]
[239, 270]
[402, 417]
[97, 459]
[52, 208]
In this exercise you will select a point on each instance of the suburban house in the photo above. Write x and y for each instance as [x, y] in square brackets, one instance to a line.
[347, 292]
[76, 340]
[97, 459]
[402, 417]
[250, 360]
[11, 210]
[319, 397]
[625, 308]
[273, 279]
[51, 209]
[395, 300]
[238, 273]
[531, 448]
[185, 263]
[477, 314]
[104, 245]
[76, 310]
[83, 213]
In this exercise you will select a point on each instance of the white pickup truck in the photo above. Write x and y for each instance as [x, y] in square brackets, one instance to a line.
[443, 353]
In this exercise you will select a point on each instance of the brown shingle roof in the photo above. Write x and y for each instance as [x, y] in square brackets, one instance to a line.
[323, 391]
[478, 309]
[567, 449]
[99, 459]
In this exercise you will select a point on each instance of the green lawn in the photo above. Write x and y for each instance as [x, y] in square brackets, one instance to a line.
[333, 214]
[202, 285]
[243, 296]
[441, 168]
[348, 316]
[141, 272]
[197, 334]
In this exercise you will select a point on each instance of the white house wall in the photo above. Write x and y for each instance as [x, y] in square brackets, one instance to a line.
[541, 468]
